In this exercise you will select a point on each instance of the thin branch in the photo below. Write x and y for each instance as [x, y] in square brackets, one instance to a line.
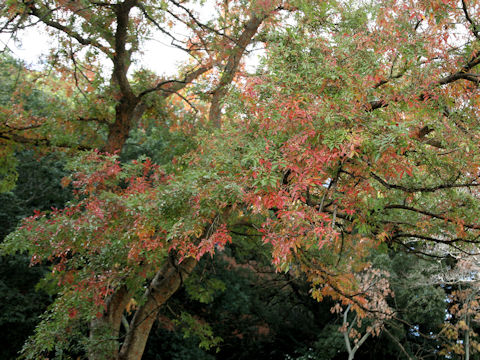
[20, 128]
[200, 24]
[75, 68]
[43, 142]
[420, 189]
[430, 214]
[469, 19]
[420, 254]
[432, 239]
[187, 101]
[447, 242]
[97, 120]
[161, 29]
[397, 342]
[462, 74]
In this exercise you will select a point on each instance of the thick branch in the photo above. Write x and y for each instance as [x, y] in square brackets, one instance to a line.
[43, 17]
[360, 343]
[231, 67]
[345, 333]
[469, 19]
[458, 76]
[163, 286]
[110, 321]
[173, 86]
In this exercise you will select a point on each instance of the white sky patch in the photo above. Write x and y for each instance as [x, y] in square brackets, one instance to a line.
[32, 46]
[159, 56]
[157, 53]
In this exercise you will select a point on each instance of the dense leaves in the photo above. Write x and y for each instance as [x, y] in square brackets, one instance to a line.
[354, 140]
[38, 187]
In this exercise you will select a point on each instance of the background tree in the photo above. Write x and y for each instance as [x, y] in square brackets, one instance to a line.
[108, 108]
[38, 188]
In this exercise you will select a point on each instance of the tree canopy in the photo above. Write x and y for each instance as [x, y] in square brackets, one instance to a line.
[355, 137]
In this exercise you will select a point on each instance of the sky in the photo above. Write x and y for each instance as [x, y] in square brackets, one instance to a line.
[157, 54]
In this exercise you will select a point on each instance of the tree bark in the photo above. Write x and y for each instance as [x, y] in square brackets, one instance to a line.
[165, 283]
[128, 113]
[231, 68]
[109, 323]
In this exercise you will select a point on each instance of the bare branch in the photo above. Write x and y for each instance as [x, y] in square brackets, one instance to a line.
[450, 242]
[231, 67]
[173, 86]
[475, 78]
[161, 29]
[421, 189]
[430, 214]
[43, 17]
[200, 24]
[469, 19]
[398, 343]
[43, 142]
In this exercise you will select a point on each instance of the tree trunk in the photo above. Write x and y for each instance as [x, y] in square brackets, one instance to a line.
[108, 325]
[105, 331]
[467, 338]
[165, 283]
[128, 113]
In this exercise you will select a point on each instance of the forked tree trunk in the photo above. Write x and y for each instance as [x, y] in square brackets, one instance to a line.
[108, 325]
[168, 280]
[105, 331]
[163, 286]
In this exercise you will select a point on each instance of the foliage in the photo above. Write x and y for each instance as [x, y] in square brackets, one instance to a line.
[21, 303]
[264, 313]
[38, 187]
[193, 327]
[355, 138]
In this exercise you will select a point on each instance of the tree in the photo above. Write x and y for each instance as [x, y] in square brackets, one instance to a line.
[89, 32]
[367, 134]
[356, 134]
[37, 188]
